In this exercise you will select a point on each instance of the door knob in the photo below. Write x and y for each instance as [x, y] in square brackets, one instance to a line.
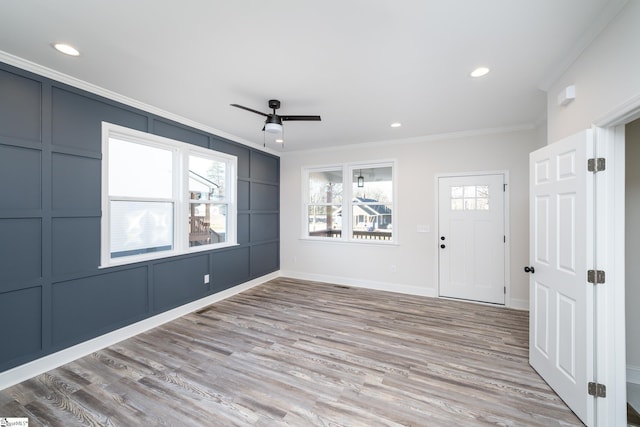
[442, 246]
[528, 269]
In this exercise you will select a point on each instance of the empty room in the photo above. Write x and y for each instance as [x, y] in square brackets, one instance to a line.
[365, 213]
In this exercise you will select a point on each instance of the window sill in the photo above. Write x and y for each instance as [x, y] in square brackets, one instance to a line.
[156, 256]
[334, 241]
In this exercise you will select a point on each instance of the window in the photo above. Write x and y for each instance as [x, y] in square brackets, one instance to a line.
[162, 197]
[207, 201]
[372, 208]
[470, 198]
[324, 203]
[369, 215]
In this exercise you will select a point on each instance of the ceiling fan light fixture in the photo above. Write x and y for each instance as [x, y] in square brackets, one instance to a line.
[273, 128]
[273, 124]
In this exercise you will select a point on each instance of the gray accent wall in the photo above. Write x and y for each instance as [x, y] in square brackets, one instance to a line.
[52, 294]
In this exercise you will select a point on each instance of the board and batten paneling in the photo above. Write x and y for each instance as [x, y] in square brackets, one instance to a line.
[52, 293]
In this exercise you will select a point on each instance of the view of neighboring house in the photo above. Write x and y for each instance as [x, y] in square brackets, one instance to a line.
[234, 209]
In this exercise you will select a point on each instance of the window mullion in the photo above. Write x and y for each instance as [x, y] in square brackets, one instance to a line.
[180, 181]
[366, 214]
[347, 203]
[133, 149]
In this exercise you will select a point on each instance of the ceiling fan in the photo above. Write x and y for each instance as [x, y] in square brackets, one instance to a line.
[273, 123]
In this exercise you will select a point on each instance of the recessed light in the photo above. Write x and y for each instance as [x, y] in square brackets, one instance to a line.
[280, 140]
[479, 72]
[396, 125]
[66, 49]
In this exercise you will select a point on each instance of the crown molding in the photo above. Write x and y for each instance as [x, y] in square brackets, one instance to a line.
[114, 96]
[425, 138]
[608, 13]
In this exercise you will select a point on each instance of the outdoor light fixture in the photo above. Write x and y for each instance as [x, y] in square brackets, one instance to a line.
[360, 180]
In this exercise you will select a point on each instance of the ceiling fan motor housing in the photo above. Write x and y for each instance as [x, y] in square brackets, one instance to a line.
[274, 118]
[274, 104]
[273, 124]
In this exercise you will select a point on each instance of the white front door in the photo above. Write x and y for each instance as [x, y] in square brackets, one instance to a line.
[560, 236]
[471, 237]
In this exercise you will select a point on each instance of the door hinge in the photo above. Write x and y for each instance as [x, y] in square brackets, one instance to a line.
[504, 187]
[595, 276]
[597, 390]
[505, 290]
[596, 165]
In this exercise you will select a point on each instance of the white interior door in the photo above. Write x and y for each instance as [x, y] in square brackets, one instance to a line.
[472, 237]
[561, 233]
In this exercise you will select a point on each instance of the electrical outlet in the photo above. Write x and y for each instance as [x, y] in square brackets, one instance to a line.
[206, 279]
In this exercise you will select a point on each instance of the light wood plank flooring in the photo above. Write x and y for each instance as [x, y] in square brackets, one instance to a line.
[306, 354]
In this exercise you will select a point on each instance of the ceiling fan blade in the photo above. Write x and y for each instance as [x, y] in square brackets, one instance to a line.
[249, 109]
[307, 118]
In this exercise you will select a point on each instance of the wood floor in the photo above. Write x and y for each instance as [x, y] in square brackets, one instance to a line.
[306, 354]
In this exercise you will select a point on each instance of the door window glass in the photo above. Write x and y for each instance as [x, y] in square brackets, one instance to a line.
[470, 198]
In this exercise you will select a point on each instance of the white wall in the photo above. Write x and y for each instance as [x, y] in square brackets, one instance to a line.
[606, 76]
[632, 223]
[415, 255]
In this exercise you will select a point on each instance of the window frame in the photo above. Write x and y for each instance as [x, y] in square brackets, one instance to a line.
[307, 196]
[347, 227]
[224, 202]
[180, 195]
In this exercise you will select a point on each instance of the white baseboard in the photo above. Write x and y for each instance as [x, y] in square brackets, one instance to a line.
[357, 283]
[515, 303]
[39, 366]
[633, 374]
[519, 304]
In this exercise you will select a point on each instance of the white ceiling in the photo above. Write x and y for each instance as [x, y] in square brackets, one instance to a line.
[360, 64]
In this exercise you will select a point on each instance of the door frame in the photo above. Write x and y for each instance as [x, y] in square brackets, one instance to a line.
[610, 256]
[507, 246]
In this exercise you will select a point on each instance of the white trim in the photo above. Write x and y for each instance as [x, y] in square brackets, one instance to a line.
[519, 304]
[516, 304]
[114, 96]
[341, 242]
[39, 366]
[508, 301]
[611, 349]
[624, 113]
[610, 257]
[368, 284]
[347, 169]
[421, 139]
[180, 161]
[633, 374]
